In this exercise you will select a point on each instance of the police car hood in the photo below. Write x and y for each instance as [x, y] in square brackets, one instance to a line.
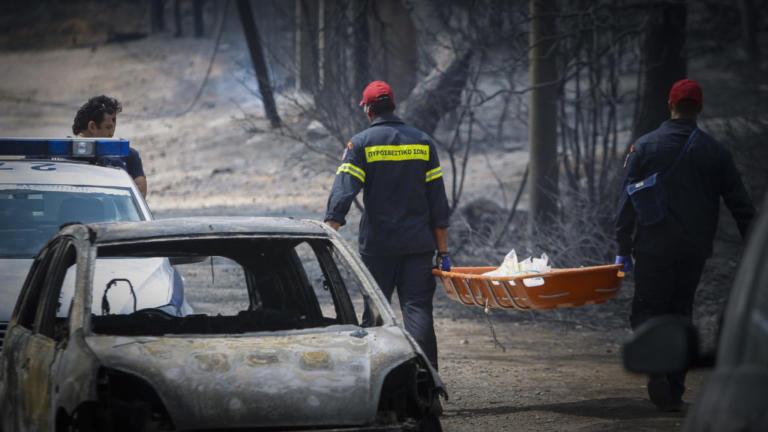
[14, 272]
[153, 280]
[124, 285]
[318, 377]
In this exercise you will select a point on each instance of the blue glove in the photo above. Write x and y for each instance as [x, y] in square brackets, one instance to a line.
[626, 261]
[443, 261]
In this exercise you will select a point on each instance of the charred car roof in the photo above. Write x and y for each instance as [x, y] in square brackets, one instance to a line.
[116, 232]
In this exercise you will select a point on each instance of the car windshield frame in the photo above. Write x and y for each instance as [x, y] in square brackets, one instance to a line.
[120, 250]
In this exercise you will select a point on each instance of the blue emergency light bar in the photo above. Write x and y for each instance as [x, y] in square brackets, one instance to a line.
[45, 148]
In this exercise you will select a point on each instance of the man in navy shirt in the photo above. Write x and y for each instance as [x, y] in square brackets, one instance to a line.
[97, 118]
[671, 252]
[406, 210]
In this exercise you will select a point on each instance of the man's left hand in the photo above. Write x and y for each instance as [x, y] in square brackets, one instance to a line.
[333, 224]
[626, 262]
[443, 261]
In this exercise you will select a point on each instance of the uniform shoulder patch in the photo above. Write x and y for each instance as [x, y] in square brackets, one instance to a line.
[347, 149]
[630, 152]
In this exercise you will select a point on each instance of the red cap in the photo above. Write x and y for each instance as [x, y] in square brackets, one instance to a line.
[376, 90]
[686, 89]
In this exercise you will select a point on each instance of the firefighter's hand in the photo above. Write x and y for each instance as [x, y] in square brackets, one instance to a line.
[443, 261]
[626, 262]
[333, 224]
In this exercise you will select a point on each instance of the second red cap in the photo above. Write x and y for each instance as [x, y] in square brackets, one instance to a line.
[376, 90]
[686, 89]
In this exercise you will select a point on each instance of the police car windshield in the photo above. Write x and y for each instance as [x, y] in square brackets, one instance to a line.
[31, 213]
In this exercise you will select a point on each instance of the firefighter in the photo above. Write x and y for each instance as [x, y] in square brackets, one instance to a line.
[406, 210]
[97, 118]
[670, 243]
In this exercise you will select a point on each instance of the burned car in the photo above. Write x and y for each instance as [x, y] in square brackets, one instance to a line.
[275, 341]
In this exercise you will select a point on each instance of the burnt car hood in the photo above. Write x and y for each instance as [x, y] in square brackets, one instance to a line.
[318, 377]
[14, 271]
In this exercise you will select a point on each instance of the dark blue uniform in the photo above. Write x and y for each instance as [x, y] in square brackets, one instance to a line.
[131, 164]
[670, 255]
[404, 196]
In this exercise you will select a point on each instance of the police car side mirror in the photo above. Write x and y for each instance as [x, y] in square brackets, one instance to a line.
[661, 345]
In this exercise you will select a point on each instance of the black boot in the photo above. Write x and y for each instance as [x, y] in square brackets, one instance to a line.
[660, 392]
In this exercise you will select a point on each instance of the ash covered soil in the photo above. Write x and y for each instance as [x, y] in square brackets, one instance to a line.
[560, 371]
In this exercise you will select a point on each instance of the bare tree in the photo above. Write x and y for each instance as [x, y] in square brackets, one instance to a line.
[463, 49]
[447, 49]
[197, 11]
[306, 35]
[597, 52]
[157, 15]
[177, 21]
[543, 112]
[259, 63]
[595, 48]
[438, 94]
[750, 26]
[360, 37]
[663, 63]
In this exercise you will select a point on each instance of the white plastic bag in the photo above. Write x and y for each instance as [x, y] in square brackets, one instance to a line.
[511, 267]
[508, 267]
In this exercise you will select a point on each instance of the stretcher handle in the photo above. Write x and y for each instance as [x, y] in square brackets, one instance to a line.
[456, 272]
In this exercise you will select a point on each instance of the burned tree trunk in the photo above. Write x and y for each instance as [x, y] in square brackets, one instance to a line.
[259, 63]
[395, 34]
[157, 13]
[663, 62]
[750, 26]
[360, 36]
[439, 92]
[542, 121]
[306, 43]
[197, 9]
[177, 18]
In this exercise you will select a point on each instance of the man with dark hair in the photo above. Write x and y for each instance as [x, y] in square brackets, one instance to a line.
[406, 210]
[97, 118]
[671, 247]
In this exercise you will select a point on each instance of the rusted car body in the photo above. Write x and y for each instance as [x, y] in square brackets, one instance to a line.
[290, 358]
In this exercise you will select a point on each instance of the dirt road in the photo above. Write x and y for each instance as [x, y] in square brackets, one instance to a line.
[554, 376]
[549, 379]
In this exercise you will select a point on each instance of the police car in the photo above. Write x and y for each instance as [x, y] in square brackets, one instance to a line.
[46, 183]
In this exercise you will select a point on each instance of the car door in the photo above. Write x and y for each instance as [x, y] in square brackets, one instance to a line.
[43, 345]
[20, 331]
[735, 396]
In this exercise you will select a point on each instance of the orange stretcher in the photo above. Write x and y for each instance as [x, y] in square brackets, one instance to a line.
[559, 288]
